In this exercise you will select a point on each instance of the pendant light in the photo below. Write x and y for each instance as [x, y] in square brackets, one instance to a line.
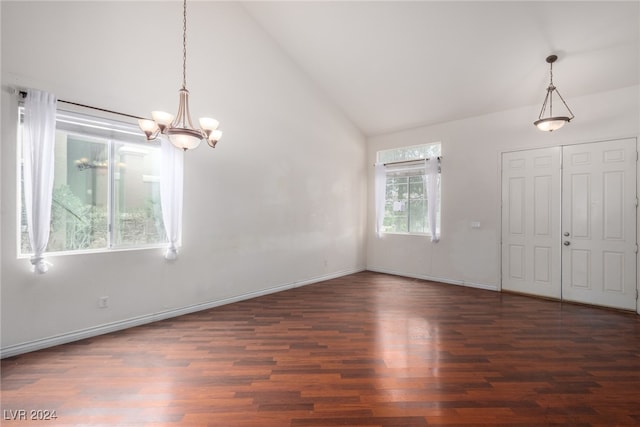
[551, 122]
[180, 130]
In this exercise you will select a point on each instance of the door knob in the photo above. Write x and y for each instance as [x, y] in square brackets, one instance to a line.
[566, 243]
[566, 234]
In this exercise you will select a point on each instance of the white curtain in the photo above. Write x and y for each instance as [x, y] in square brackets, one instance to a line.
[432, 180]
[171, 180]
[37, 150]
[380, 189]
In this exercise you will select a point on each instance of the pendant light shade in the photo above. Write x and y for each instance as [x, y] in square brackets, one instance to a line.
[550, 122]
[180, 129]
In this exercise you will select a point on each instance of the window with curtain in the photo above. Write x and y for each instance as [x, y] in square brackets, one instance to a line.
[106, 191]
[402, 196]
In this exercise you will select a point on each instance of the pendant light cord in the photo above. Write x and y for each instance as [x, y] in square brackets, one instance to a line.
[184, 46]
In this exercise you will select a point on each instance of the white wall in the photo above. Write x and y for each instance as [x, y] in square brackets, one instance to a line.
[471, 183]
[280, 202]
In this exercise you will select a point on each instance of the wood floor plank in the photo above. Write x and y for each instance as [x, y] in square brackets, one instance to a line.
[362, 350]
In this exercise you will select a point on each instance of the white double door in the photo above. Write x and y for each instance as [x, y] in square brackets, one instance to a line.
[569, 223]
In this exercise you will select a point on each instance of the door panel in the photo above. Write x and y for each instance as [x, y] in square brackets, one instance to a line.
[599, 215]
[531, 222]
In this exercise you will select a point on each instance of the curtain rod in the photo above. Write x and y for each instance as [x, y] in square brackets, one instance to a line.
[409, 161]
[24, 93]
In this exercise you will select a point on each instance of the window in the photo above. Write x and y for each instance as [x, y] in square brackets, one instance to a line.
[106, 191]
[405, 196]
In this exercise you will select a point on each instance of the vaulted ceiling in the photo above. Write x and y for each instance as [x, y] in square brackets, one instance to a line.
[392, 65]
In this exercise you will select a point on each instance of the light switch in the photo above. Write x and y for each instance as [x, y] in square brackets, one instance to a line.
[475, 224]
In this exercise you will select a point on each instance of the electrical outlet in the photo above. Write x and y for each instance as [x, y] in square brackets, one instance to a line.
[103, 302]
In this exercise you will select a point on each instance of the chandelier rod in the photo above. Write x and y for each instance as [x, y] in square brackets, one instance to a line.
[551, 89]
[184, 45]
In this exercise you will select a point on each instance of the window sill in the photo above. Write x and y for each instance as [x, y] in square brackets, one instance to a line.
[98, 251]
[408, 234]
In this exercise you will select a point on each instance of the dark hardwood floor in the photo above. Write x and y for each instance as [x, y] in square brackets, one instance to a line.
[363, 350]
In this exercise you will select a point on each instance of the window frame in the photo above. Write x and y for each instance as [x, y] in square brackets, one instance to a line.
[118, 126]
[400, 157]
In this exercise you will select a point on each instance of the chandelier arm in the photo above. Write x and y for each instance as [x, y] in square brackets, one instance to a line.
[565, 104]
[544, 105]
[187, 120]
[154, 135]
[178, 122]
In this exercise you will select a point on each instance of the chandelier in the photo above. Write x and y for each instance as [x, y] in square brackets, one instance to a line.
[551, 122]
[180, 130]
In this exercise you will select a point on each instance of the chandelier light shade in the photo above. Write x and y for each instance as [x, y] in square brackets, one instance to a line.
[180, 129]
[550, 122]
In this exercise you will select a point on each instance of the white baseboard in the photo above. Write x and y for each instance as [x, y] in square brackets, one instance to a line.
[39, 344]
[435, 279]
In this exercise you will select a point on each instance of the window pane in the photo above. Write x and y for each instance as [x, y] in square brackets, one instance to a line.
[106, 191]
[399, 224]
[80, 189]
[136, 195]
[396, 205]
[417, 205]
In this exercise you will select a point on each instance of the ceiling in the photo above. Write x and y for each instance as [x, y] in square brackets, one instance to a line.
[392, 65]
